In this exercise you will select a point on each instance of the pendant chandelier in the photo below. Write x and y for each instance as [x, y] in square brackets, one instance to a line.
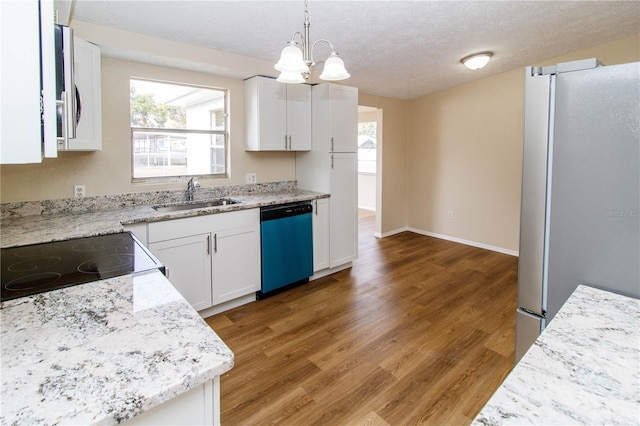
[295, 64]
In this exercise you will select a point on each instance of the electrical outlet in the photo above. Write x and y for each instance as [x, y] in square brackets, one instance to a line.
[250, 178]
[78, 191]
[450, 214]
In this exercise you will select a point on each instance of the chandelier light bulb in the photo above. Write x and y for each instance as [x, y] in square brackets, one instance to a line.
[290, 77]
[334, 69]
[291, 59]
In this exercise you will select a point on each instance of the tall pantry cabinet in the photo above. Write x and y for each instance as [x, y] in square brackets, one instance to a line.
[331, 167]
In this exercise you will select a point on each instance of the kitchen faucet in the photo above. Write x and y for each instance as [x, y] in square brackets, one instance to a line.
[191, 187]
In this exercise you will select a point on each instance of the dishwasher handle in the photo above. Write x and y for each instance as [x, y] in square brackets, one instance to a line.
[285, 210]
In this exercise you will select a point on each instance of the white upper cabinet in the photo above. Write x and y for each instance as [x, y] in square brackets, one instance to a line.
[27, 47]
[335, 118]
[277, 115]
[86, 62]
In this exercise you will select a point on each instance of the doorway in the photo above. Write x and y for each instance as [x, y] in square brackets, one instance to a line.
[369, 165]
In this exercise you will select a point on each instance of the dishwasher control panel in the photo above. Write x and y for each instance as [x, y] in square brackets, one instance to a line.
[285, 210]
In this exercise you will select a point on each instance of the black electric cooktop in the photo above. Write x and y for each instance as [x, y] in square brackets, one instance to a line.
[37, 268]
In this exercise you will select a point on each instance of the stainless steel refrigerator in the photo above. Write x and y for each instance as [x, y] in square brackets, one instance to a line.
[580, 221]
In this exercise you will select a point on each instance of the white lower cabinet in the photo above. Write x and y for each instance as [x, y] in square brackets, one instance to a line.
[343, 209]
[188, 266]
[210, 259]
[320, 234]
[236, 263]
[198, 406]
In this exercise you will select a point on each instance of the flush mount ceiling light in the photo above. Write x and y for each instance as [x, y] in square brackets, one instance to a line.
[295, 64]
[477, 60]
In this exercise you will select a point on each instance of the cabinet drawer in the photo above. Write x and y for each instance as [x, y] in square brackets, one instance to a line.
[178, 228]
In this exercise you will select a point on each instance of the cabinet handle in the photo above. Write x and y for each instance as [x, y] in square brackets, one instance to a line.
[332, 147]
[332, 161]
[215, 243]
[316, 202]
[209, 244]
[285, 141]
[289, 142]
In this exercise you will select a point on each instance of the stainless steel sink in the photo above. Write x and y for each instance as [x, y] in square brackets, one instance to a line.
[196, 205]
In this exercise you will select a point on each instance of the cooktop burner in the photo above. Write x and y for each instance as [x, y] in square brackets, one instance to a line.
[44, 267]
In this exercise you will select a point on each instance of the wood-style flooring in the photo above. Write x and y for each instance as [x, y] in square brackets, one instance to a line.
[419, 331]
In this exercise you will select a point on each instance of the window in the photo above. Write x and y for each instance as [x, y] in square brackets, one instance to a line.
[178, 130]
[367, 147]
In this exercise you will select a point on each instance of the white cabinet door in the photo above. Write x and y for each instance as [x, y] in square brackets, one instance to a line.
[86, 61]
[299, 116]
[236, 262]
[277, 115]
[27, 55]
[343, 118]
[343, 209]
[265, 114]
[188, 265]
[335, 118]
[320, 234]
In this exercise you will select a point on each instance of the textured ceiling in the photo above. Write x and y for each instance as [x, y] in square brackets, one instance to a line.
[400, 49]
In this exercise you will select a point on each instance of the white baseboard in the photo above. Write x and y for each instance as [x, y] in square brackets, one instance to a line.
[449, 238]
[466, 242]
[394, 232]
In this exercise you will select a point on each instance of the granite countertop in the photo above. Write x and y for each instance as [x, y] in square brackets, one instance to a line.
[103, 352]
[583, 369]
[67, 224]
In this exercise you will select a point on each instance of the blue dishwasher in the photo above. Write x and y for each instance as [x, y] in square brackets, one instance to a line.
[287, 246]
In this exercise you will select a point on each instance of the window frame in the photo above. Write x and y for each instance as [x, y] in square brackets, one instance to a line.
[212, 133]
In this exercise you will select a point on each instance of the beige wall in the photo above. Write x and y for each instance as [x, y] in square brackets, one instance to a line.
[464, 148]
[109, 171]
